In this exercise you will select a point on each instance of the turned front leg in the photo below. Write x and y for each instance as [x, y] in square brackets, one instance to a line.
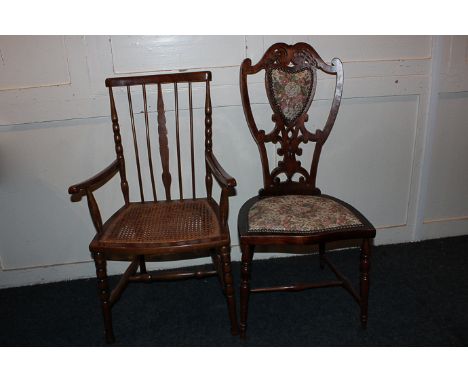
[364, 280]
[103, 287]
[247, 254]
[229, 289]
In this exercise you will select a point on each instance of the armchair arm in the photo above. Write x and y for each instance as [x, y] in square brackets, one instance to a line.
[77, 191]
[87, 187]
[224, 179]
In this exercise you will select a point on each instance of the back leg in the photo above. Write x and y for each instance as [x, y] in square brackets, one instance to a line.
[322, 254]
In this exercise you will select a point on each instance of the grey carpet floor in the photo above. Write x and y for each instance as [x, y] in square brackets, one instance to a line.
[419, 297]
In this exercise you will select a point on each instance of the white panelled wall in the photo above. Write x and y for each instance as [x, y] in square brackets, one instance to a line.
[398, 152]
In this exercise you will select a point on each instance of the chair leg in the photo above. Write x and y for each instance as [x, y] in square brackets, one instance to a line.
[229, 289]
[364, 280]
[321, 254]
[247, 254]
[141, 260]
[103, 287]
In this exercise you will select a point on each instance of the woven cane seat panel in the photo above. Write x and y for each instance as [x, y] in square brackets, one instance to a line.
[300, 214]
[163, 222]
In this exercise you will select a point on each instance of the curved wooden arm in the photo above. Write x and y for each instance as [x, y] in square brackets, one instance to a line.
[79, 190]
[224, 179]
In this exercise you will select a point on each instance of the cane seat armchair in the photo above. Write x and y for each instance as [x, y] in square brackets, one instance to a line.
[290, 209]
[158, 226]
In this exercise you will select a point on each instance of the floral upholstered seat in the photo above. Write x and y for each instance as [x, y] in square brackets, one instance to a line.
[300, 214]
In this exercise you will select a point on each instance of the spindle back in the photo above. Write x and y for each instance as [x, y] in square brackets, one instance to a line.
[154, 86]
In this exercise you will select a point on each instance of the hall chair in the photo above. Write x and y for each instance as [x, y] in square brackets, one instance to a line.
[161, 226]
[290, 209]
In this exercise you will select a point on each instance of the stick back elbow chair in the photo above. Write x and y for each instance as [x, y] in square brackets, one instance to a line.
[292, 210]
[158, 229]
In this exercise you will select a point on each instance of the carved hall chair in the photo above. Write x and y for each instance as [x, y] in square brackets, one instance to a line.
[161, 226]
[290, 209]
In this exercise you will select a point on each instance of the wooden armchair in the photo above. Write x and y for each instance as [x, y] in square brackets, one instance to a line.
[290, 209]
[155, 229]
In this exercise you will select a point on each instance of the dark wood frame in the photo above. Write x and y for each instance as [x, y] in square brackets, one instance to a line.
[218, 248]
[291, 136]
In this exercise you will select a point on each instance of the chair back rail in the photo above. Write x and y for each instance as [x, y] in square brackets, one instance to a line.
[144, 83]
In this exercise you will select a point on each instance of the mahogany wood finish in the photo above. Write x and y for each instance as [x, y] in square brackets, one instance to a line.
[129, 234]
[290, 135]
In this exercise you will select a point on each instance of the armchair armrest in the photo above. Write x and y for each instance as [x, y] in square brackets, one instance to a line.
[223, 178]
[226, 181]
[79, 190]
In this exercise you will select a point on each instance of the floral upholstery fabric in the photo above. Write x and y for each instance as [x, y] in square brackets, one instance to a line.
[300, 214]
[290, 92]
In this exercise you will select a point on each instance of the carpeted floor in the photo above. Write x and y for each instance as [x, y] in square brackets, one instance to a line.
[419, 297]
